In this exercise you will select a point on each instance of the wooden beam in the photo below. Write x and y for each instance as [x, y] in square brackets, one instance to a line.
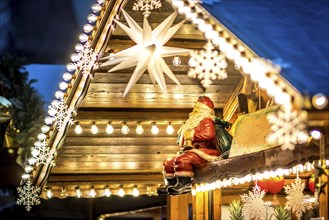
[216, 204]
[201, 206]
[256, 162]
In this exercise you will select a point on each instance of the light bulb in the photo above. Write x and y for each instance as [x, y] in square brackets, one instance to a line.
[94, 128]
[107, 191]
[83, 38]
[170, 129]
[96, 8]
[135, 191]
[154, 129]
[139, 129]
[59, 94]
[67, 76]
[28, 169]
[78, 128]
[319, 101]
[124, 128]
[70, 67]
[63, 85]
[121, 192]
[109, 128]
[35, 152]
[176, 61]
[78, 47]
[75, 57]
[92, 18]
[92, 192]
[45, 129]
[51, 111]
[49, 193]
[317, 135]
[87, 28]
[78, 192]
[41, 136]
[25, 176]
[48, 120]
[31, 161]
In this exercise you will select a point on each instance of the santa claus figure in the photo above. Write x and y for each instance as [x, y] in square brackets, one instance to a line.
[197, 139]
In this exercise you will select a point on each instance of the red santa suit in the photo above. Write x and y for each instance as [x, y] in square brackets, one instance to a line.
[201, 130]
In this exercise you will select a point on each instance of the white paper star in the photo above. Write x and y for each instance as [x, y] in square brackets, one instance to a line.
[149, 51]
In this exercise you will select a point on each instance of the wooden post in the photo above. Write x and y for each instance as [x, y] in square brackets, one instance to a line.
[324, 199]
[201, 206]
[217, 204]
[177, 207]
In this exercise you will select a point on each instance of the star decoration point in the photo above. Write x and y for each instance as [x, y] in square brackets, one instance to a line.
[150, 43]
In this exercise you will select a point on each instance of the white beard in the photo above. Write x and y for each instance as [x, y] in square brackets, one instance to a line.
[194, 120]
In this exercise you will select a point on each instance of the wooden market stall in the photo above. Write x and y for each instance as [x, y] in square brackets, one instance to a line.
[98, 155]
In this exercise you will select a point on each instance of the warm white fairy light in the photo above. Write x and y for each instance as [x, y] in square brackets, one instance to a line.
[78, 47]
[96, 8]
[31, 161]
[316, 134]
[63, 85]
[135, 191]
[74, 57]
[59, 94]
[170, 129]
[28, 168]
[92, 18]
[124, 128]
[25, 176]
[41, 136]
[78, 192]
[48, 120]
[78, 128]
[109, 128]
[45, 129]
[83, 38]
[176, 61]
[121, 192]
[87, 28]
[67, 76]
[320, 101]
[107, 191]
[70, 67]
[49, 193]
[94, 128]
[139, 129]
[92, 192]
[154, 129]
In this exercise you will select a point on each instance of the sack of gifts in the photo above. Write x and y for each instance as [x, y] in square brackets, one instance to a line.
[223, 137]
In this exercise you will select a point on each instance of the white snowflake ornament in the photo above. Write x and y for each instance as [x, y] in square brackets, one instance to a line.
[28, 195]
[288, 127]
[295, 198]
[146, 6]
[62, 115]
[254, 206]
[207, 65]
[41, 152]
[86, 59]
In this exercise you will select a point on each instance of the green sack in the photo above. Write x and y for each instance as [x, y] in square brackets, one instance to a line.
[223, 138]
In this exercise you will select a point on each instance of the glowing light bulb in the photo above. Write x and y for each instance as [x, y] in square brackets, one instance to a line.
[48, 120]
[176, 61]
[92, 18]
[135, 191]
[121, 192]
[78, 128]
[124, 128]
[83, 38]
[70, 67]
[92, 192]
[75, 57]
[25, 176]
[317, 135]
[31, 161]
[63, 85]
[87, 28]
[45, 129]
[35, 152]
[154, 129]
[49, 193]
[109, 128]
[28, 169]
[94, 128]
[139, 129]
[107, 191]
[78, 192]
[96, 8]
[59, 94]
[78, 47]
[170, 129]
[67, 76]
[41, 136]
[319, 101]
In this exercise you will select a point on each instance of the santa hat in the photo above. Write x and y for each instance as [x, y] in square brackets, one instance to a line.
[206, 101]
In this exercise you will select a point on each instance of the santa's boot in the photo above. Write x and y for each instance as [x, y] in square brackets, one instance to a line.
[184, 185]
[169, 184]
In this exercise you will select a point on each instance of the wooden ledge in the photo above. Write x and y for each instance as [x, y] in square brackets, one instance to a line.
[269, 159]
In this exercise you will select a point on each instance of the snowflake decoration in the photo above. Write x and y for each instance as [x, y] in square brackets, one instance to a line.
[41, 152]
[207, 65]
[287, 128]
[146, 6]
[86, 59]
[295, 198]
[28, 195]
[63, 115]
[254, 206]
